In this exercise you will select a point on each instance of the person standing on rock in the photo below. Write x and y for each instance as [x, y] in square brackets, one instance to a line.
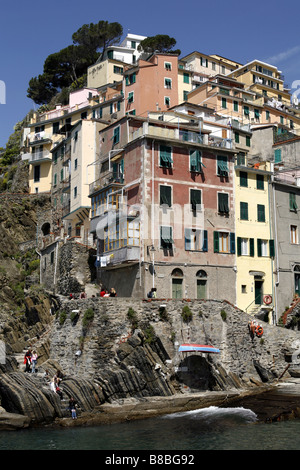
[27, 360]
[33, 361]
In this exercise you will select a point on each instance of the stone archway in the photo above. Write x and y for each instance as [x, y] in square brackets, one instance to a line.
[45, 229]
[195, 372]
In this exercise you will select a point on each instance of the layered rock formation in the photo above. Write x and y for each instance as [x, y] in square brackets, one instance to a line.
[110, 350]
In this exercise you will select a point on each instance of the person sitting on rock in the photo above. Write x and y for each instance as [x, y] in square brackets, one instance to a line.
[27, 360]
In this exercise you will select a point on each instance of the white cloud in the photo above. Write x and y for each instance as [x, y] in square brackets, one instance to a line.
[283, 55]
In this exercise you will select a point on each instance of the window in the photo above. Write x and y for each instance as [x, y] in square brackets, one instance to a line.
[246, 111]
[185, 95]
[244, 289]
[133, 44]
[195, 161]
[244, 179]
[52, 257]
[222, 165]
[293, 205]
[241, 159]
[118, 69]
[223, 206]
[237, 137]
[55, 127]
[168, 83]
[195, 240]
[55, 179]
[166, 239]
[244, 210]
[61, 174]
[186, 78]
[130, 79]
[248, 141]
[245, 246]
[259, 182]
[195, 198]
[168, 66]
[236, 106]
[75, 164]
[224, 103]
[261, 217]
[267, 115]
[37, 173]
[131, 97]
[277, 156]
[262, 247]
[165, 195]
[165, 156]
[203, 62]
[294, 234]
[224, 242]
[75, 192]
[167, 101]
[116, 136]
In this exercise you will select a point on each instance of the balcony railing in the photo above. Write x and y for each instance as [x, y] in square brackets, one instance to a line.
[39, 136]
[37, 156]
[110, 177]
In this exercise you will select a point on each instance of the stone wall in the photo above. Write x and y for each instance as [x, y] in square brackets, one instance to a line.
[110, 339]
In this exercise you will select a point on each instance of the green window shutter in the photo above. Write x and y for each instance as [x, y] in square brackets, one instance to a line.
[277, 156]
[259, 247]
[166, 236]
[110, 108]
[216, 242]
[205, 242]
[127, 80]
[256, 113]
[165, 156]
[55, 179]
[116, 137]
[222, 165]
[239, 246]
[272, 248]
[246, 110]
[166, 195]
[261, 217]
[223, 206]
[232, 243]
[185, 95]
[195, 198]
[186, 78]
[195, 161]
[251, 243]
[236, 137]
[235, 106]
[224, 103]
[293, 205]
[248, 141]
[259, 181]
[61, 175]
[244, 179]
[187, 239]
[244, 210]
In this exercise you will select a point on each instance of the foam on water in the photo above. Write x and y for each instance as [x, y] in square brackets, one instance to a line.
[213, 413]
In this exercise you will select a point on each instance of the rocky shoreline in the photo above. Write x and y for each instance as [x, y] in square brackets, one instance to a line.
[272, 402]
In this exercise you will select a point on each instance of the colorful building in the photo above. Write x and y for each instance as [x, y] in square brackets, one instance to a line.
[163, 211]
[255, 238]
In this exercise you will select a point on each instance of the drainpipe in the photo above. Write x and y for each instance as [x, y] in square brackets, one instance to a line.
[276, 242]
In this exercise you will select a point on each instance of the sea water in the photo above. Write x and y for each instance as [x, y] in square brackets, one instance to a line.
[210, 428]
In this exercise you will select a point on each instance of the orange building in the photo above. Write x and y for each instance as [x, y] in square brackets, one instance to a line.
[151, 85]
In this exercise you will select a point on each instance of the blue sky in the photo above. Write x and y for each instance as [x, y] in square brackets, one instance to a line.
[30, 31]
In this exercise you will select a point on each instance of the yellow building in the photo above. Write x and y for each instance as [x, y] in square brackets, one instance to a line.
[255, 244]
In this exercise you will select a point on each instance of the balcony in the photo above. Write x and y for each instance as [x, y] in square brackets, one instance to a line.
[39, 137]
[108, 178]
[37, 157]
[126, 255]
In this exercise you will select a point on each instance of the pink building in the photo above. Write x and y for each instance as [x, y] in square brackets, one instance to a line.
[163, 211]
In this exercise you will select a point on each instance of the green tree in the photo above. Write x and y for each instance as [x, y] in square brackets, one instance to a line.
[40, 89]
[159, 43]
[99, 36]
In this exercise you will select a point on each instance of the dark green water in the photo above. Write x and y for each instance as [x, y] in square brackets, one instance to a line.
[207, 429]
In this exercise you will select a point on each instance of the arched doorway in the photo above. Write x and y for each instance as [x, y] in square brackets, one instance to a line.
[45, 229]
[297, 279]
[177, 283]
[201, 284]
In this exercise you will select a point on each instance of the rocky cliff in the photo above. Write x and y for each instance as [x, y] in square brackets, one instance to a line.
[110, 350]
